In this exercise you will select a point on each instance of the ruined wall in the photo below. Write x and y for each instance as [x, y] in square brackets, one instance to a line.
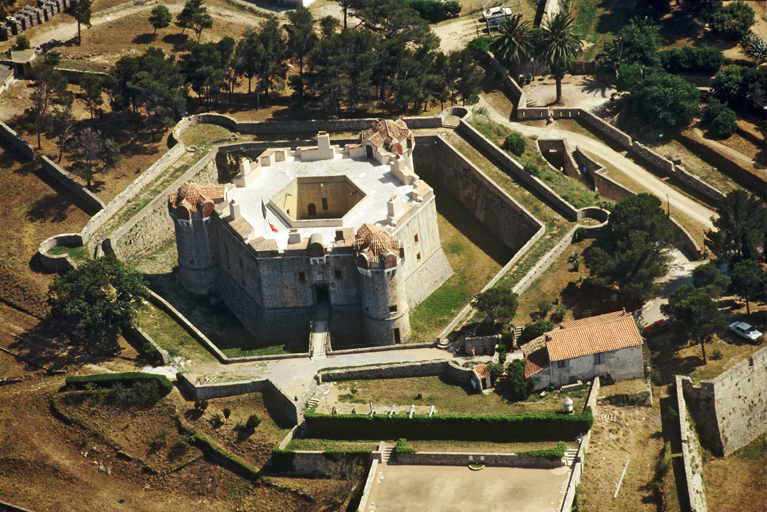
[730, 410]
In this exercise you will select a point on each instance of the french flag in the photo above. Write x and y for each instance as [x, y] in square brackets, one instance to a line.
[266, 217]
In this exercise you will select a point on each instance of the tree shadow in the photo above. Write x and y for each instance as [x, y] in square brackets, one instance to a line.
[179, 41]
[144, 38]
[50, 208]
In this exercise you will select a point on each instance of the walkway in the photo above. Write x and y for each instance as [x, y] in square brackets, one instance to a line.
[698, 212]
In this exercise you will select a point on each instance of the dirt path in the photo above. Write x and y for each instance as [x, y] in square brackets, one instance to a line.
[698, 212]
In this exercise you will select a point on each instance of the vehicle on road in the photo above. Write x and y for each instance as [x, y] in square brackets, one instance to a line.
[656, 327]
[745, 330]
[496, 12]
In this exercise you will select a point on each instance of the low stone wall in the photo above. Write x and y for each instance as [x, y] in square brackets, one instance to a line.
[569, 167]
[580, 456]
[689, 246]
[58, 262]
[459, 112]
[363, 506]
[604, 127]
[398, 371]
[481, 345]
[388, 348]
[143, 337]
[691, 452]
[544, 263]
[508, 164]
[514, 90]
[507, 460]
[70, 183]
[18, 143]
[73, 76]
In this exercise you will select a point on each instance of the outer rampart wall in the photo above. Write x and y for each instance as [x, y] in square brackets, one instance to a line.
[69, 182]
[730, 410]
[691, 451]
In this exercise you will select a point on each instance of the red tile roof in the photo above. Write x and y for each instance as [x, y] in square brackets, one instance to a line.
[481, 370]
[535, 362]
[593, 335]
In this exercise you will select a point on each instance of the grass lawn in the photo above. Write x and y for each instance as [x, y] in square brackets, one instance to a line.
[329, 445]
[477, 447]
[216, 321]
[551, 285]
[739, 482]
[78, 254]
[450, 398]
[171, 336]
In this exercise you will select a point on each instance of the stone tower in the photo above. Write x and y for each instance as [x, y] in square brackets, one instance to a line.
[385, 310]
[190, 209]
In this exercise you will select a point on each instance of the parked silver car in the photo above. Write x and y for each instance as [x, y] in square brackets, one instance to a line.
[745, 330]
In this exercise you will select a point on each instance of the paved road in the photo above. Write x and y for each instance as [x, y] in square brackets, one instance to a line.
[698, 212]
[680, 273]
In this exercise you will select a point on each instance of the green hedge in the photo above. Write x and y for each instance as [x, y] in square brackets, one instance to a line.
[551, 454]
[108, 380]
[499, 428]
[692, 60]
[402, 446]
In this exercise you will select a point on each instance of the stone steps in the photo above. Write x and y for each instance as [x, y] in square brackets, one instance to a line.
[387, 453]
[569, 457]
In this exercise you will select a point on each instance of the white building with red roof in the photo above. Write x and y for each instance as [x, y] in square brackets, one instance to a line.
[608, 346]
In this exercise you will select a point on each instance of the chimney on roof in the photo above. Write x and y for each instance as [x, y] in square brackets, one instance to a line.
[548, 336]
[234, 210]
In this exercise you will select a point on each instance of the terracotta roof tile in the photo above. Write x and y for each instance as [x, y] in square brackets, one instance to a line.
[613, 333]
[536, 361]
[387, 133]
[592, 320]
[374, 242]
[481, 370]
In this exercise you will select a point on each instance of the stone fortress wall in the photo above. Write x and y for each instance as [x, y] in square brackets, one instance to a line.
[730, 410]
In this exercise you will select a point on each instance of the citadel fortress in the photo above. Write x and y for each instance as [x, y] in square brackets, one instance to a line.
[345, 236]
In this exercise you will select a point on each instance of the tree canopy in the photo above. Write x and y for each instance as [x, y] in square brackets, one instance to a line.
[160, 17]
[694, 316]
[740, 226]
[664, 101]
[101, 298]
[517, 386]
[558, 46]
[636, 249]
[500, 304]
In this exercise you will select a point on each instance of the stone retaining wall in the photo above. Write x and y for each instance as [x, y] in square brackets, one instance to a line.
[70, 183]
[602, 126]
[58, 262]
[18, 143]
[580, 455]
[691, 452]
[363, 506]
[399, 371]
[508, 460]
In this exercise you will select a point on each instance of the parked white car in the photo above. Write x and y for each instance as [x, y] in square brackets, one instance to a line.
[745, 330]
[496, 12]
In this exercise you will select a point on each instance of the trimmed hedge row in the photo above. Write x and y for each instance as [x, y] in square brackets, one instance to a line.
[503, 428]
[551, 454]
[694, 60]
[108, 380]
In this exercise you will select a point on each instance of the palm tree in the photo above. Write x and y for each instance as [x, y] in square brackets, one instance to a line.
[515, 42]
[614, 54]
[559, 46]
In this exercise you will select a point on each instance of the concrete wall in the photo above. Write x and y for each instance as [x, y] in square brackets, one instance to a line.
[731, 410]
[508, 460]
[399, 371]
[691, 451]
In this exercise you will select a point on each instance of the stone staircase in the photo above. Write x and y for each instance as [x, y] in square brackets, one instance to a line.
[320, 335]
[386, 453]
[569, 457]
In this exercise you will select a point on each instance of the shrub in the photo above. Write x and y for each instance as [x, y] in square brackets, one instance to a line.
[507, 340]
[480, 45]
[720, 119]
[434, 11]
[253, 422]
[402, 446]
[732, 21]
[692, 60]
[518, 387]
[499, 427]
[515, 143]
[532, 169]
[535, 329]
[717, 355]
[559, 313]
[282, 460]
[544, 306]
[664, 101]
[227, 413]
[551, 454]
[22, 43]
[744, 85]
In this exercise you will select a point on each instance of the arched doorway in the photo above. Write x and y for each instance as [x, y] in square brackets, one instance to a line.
[312, 210]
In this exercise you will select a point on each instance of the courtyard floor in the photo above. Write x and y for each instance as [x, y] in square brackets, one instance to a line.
[448, 488]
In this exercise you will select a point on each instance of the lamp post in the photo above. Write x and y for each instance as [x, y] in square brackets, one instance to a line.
[668, 204]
